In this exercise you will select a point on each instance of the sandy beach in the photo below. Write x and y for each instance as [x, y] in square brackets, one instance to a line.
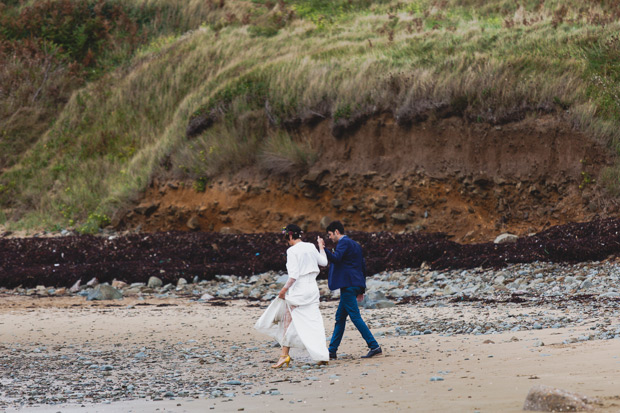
[169, 355]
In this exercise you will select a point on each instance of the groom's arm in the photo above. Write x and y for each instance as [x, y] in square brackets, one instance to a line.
[339, 252]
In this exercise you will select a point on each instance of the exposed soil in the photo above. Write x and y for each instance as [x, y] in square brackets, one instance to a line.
[437, 193]
[471, 181]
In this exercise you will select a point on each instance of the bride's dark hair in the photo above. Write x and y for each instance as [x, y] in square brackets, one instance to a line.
[292, 230]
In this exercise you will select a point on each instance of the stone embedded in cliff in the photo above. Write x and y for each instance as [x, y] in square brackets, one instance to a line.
[336, 203]
[325, 221]
[147, 209]
[379, 217]
[549, 399]
[314, 177]
[506, 239]
[381, 203]
[400, 203]
[482, 180]
[193, 223]
[400, 218]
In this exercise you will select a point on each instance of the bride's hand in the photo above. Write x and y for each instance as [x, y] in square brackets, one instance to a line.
[282, 293]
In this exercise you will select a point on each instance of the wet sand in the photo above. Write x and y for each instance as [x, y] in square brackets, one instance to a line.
[197, 347]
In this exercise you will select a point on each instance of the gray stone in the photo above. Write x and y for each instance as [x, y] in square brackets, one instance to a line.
[154, 282]
[379, 217]
[549, 399]
[104, 292]
[282, 279]
[93, 282]
[401, 218]
[506, 239]
[325, 221]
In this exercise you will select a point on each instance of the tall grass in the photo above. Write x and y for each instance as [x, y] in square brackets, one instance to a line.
[254, 70]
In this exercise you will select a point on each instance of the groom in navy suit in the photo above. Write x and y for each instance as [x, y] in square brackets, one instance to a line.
[346, 272]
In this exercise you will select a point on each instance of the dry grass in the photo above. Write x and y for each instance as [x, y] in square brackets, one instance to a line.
[486, 61]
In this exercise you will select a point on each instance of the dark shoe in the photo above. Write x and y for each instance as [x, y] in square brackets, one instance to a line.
[333, 356]
[373, 352]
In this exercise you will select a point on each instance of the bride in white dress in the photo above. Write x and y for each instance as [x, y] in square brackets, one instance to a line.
[293, 318]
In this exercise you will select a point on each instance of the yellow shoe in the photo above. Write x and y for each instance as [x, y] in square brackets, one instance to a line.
[282, 361]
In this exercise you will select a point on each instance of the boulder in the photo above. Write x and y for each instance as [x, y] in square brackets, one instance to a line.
[104, 292]
[375, 299]
[154, 282]
[550, 399]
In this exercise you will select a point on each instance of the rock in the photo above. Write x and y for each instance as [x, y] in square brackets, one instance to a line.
[376, 299]
[336, 203]
[206, 297]
[154, 282]
[193, 223]
[93, 282]
[549, 399]
[379, 217]
[506, 239]
[104, 292]
[282, 279]
[119, 284]
[325, 221]
[181, 283]
[146, 209]
[313, 177]
[75, 287]
[401, 218]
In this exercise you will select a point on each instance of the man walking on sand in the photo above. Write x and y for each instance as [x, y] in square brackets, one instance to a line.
[346, 272]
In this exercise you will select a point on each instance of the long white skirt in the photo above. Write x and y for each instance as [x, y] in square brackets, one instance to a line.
[296, 327]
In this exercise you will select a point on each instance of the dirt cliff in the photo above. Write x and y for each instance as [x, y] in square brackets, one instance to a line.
[471, 181]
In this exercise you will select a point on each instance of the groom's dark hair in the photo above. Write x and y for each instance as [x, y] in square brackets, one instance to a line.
[335, 225]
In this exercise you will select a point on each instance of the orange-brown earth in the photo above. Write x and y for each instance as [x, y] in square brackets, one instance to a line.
[472, 181]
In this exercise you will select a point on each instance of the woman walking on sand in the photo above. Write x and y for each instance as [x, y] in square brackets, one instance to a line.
[293, 318]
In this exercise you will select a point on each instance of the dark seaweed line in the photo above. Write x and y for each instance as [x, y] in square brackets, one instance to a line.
[171, 255]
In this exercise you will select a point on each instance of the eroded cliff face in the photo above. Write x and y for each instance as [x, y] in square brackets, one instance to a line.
[471, 181]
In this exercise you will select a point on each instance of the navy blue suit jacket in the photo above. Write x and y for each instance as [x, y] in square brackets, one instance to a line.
[347, 265]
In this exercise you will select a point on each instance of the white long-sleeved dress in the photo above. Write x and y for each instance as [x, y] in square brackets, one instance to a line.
[296, 321]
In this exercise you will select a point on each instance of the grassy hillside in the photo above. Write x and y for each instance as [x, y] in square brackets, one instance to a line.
[194, 90]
